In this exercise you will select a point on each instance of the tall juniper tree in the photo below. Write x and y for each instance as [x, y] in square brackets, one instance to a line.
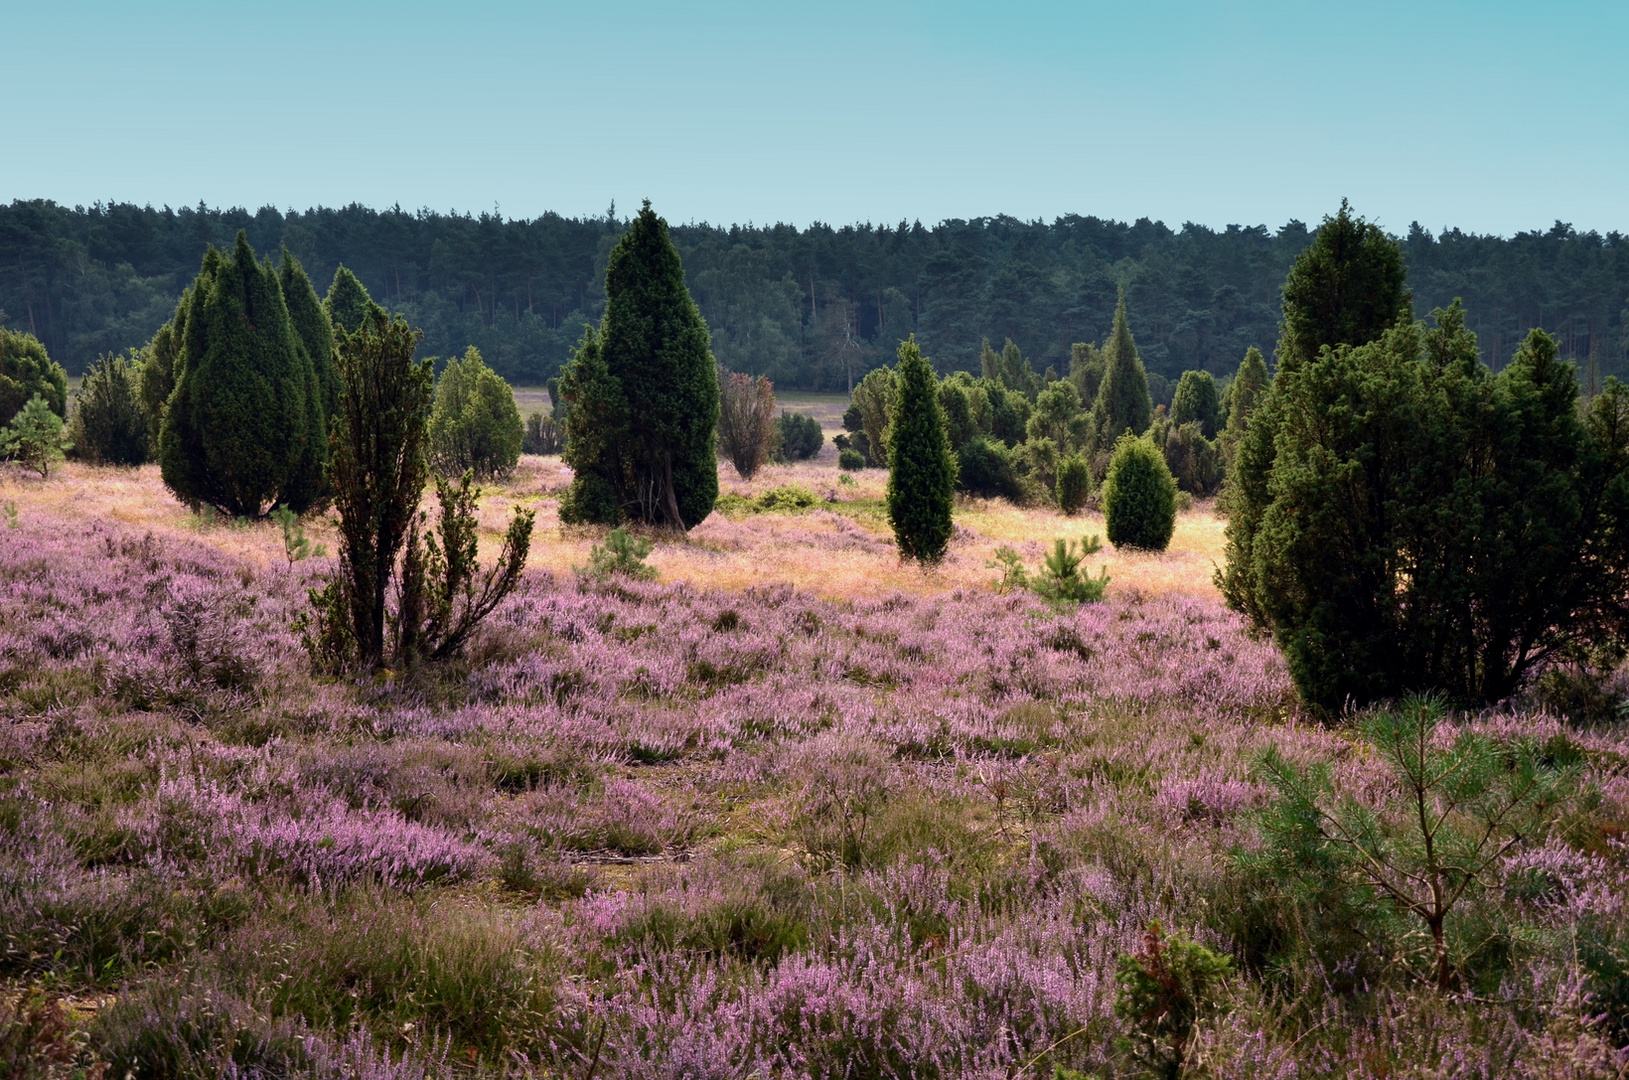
[347, 303]
[244, 430]
[652, 373]
[312, 327]
[1123, 403]
[921, 467]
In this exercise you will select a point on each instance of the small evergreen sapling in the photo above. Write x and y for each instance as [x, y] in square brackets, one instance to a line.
[1165, 988]
[35, 437]
[1060, 579]
[296, 545]
[622, 555]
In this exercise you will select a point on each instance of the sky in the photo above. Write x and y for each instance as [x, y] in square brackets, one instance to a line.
[1493, 117]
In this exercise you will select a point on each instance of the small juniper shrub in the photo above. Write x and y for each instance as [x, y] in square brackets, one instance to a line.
[1164, 990]
[800, 436]
[1074, 484]
[1139, 496]
[850, 460]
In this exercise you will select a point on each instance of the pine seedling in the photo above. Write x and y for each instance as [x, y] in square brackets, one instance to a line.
[296, 545]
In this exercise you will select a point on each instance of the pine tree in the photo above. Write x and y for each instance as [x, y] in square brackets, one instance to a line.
[1123, 403]
[659, 380]
[347, 303]
[1196, 401]
[242, 432]
[1139, 496]
[26, 370]
[922, 469]
[312, 328]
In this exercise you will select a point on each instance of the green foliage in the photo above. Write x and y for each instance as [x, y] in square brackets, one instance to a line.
[1074, 484]
[444, 597]
[1086, 370]
[1163, 990]
[1058, 417]
[158, 361]
[1195, 461]
[650, 387]
[26, 371]
[800, 436]
[622, 555]
[109, 424]
[1244, 393]
[1122, 403]
[1009, 370]
[377, 472]
[850, 459]
[874, 398]
[985, 469]
[1345, 289]
[1060, 579]
[36, 436]
[312, 328]
[1139, 496]
[296, 545]
[922, 471]
[474, 424]
[244, 429]
[746, 422]
[1196, 401]
[786, 497]
[1435, 839]
[1013, 573]
[1424, 524]
[348, 304]
[8, 510]
[1009, 414]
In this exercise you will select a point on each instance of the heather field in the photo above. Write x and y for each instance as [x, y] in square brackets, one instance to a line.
[791, 809]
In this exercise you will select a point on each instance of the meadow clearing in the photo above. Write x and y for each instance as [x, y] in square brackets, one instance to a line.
[791, 809]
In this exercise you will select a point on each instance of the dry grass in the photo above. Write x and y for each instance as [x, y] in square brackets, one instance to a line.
[842, 550]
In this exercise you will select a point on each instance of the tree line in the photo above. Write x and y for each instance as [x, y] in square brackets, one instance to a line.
[812, 308]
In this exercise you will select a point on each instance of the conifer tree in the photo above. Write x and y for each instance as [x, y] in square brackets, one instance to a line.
[312, 328]
[1123, 403]
[1346, 288]
[109, 425]
[1196, 401]
[347, 303]
[595, 427]
[475, 424]
[158, 362]
[242, 432]
[1244, 393]
[1139, 496]
[26, 370]
[659, 379]
[921, 467]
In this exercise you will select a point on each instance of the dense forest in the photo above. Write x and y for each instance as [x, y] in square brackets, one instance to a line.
[813, 308]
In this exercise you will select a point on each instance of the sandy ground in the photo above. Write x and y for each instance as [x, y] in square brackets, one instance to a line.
[842, 549]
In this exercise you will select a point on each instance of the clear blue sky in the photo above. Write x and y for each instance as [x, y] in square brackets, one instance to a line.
[1491, 116]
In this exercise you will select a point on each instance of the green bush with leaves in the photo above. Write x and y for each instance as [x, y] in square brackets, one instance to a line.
[985, 469]
[109, 424]
[850, 460]
[1060, 579]
[1139, 496]
[1429, 843]
[1197, 402]
[26, 370]
[474, 423]
[801, 437]
[36, 437]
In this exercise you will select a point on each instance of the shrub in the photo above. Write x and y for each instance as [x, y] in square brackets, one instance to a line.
[245, 427]
[1437, 838]
[874, 399]
[1139, 496]
[850, 460]
[1059, 580]
[1426, 524]
[35, 437]
[922, 470]
[25, 371]
[109, 425]
[623, 555]
[746, 421]
[786, 497]
[1196, 402]
[542, 435]
[801, 437]
[1164, 989]
[1194, 460]
[1074, 483]
[474, 424]
[985, 469]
